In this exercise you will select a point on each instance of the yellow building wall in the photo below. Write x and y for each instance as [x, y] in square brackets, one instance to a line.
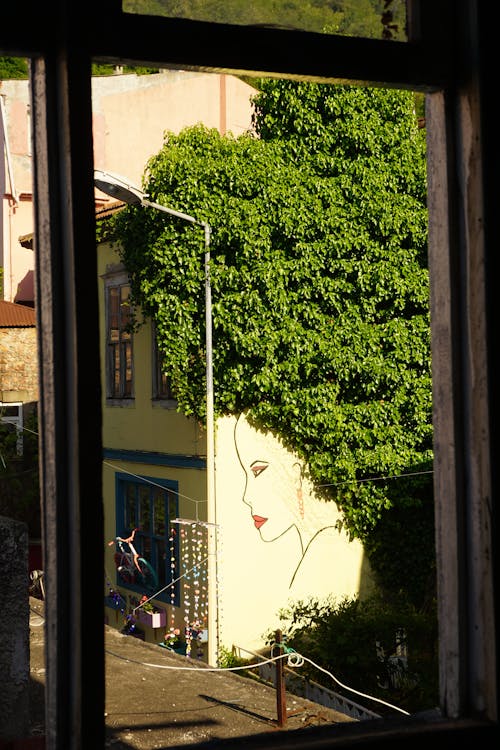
[297, 552]
[142, 425]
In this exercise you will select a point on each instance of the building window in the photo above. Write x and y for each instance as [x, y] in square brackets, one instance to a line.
[12, 414]
[149, 505]
[161, 382]
[119, 370]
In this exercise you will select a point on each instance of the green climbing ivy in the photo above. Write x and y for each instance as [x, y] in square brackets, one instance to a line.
[319, 283]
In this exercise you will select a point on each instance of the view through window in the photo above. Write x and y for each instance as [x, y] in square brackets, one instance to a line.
[345, 321]
[325, 524]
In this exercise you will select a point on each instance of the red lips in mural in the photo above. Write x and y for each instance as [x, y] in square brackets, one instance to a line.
[259, 521]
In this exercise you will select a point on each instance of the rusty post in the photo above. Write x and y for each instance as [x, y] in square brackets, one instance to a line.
[280, 684]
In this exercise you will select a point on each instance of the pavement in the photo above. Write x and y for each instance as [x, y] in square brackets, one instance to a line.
[158, 699]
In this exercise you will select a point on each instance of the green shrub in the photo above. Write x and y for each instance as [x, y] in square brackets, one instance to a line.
[372, 647]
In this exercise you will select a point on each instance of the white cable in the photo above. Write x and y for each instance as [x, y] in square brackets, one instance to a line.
[293, 659]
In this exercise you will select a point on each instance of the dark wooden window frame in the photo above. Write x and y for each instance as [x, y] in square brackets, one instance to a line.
[450, 57]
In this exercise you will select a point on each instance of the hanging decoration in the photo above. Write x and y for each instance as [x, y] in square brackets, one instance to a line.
[194, 576]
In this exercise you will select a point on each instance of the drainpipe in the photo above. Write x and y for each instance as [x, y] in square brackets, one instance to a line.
[7, 150]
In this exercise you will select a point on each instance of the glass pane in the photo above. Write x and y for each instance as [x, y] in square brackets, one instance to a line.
[124, 307]
[128, 370]
[362, 18]
[159, 517]
[113, 307]
[7, 410]
[146, 547]
[145, 511]
[116, 371]
[161, 561]
[130, 507]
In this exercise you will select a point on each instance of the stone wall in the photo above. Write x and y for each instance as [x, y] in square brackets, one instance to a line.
[18, 364]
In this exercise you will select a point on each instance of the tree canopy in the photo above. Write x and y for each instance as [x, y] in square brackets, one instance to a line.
[370, 18]
[319, 278]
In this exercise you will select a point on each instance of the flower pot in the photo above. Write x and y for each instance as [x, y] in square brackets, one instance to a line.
[153, 619]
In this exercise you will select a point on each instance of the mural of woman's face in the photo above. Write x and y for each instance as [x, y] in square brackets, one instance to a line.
[271, 481]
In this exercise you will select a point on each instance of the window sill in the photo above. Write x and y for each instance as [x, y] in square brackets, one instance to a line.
[393, 733]
[164, 403]
[124, 403]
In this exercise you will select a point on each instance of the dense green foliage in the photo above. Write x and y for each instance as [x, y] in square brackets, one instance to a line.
[17, 67]
[13, 67]
[107, 70]
[386, 652]
[320, 287]
[370, 18]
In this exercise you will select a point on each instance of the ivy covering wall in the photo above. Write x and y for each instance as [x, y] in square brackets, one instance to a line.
[320, 294]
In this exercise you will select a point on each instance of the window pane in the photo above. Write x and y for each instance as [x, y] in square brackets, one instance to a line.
[113, 308]
[120, 348]
[145, 523]
[161, 557]
[130, 507]
[146, 547]
[159, 511]
[128, 368]
[115, 353]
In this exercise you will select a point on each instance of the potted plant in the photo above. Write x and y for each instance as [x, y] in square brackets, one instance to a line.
[150, 615]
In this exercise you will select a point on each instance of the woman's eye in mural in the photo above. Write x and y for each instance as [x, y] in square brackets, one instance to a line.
[258, 467]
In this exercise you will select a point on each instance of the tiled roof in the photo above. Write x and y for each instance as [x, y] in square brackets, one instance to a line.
[109, 209]
[16, 316]
[101, 212]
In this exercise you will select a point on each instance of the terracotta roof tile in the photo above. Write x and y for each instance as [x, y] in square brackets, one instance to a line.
[101, 212]
[13, 315]
[109, 209]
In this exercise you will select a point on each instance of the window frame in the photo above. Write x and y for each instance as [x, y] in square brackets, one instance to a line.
[117, 279]
[451, 59]
[147, 538]
[18, 421]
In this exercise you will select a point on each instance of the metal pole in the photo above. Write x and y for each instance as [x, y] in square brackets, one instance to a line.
[213, 619]
[121, 189]
[280, 684]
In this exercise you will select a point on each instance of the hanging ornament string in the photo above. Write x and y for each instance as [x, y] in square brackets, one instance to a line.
[194, 573]
[173, 633]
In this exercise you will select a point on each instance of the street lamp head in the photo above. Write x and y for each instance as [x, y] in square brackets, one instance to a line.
[121, 189]
[118, 187]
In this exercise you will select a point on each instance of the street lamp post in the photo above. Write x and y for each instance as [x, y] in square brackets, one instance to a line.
[119, 188]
